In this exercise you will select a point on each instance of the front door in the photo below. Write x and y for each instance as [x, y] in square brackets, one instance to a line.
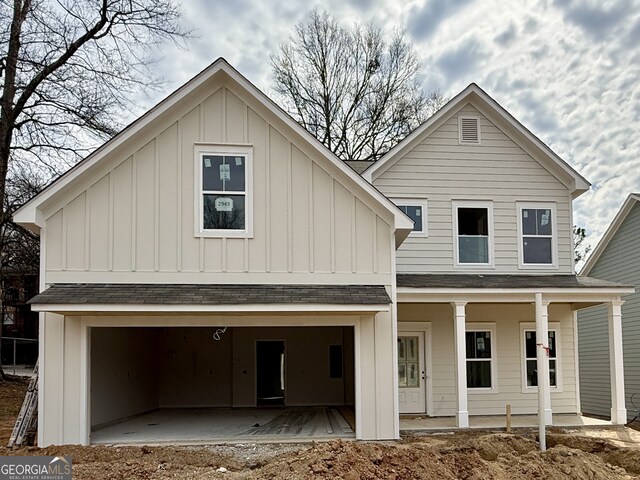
[270, 362]
[411, 372]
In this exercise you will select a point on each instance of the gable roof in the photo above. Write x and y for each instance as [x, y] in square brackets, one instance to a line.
[622, 214]
[473, 94]
[29, 215]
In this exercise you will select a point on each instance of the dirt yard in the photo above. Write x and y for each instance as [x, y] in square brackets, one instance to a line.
[588, 454]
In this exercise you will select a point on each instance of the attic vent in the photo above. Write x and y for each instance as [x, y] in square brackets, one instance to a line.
[469, 130]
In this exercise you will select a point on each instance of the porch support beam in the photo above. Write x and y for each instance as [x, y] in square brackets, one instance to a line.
[459, 328]
[618, 407]
[542, 357]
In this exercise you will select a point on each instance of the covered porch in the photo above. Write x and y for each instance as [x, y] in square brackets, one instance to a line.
[481, 351]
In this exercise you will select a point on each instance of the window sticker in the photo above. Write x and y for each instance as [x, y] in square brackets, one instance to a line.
[480, 342]
[224, 204]
[418, 210]
[238, 161]
[207, 162]
[225, 171]
[544, 219]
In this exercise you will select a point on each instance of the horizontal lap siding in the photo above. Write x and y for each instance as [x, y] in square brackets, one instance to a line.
[620, 262]
[139, 215]
[442, 170]
[508, 320]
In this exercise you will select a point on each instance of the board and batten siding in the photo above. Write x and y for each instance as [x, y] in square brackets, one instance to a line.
[442, 170]
[619, 262]
[508, 319]
[134, 222]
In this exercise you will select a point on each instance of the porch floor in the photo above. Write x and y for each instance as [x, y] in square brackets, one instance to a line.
[420, 422]
[225, 425]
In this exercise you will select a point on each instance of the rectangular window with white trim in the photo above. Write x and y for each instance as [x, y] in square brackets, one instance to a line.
[480, 354]
[223, 189]
[529, 358]
[473, 233]
[537, 235]
[416, 210]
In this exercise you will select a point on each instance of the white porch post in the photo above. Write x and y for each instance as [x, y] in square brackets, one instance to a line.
[459, 314]
[618, 407]
[542, 357]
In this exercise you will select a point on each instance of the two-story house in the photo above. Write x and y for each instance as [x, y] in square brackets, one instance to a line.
[215, 257]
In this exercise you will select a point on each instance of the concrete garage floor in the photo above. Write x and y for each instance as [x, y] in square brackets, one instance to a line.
[196, 426]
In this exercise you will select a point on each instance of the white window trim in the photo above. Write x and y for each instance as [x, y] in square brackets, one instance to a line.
[467, 142]
[456, 204]
[419, 202]
[555, 327]
[201, 149]
[554, 237]
[485, 327]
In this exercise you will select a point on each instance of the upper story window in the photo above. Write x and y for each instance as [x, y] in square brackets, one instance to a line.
[223, 190]
[416, 210]
[473, 224]
[537, 243]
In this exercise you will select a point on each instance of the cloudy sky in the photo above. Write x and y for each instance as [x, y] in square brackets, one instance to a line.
[567, 69]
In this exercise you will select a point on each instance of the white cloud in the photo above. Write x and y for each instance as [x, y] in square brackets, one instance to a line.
[567, 69]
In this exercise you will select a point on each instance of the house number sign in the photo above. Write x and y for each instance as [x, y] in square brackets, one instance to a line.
[224, 204]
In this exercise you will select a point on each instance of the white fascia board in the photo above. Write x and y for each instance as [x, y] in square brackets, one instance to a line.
[253, 308]
[608, 235]
[401, 221]
[468, 95]
[510, 295]
[27, 214]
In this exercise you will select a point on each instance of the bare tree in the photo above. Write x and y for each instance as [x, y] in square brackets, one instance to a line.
[358, 93]
[68, 71]
[19, 248]
[581, 249]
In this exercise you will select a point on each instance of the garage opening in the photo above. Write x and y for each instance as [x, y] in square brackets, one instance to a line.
[199, 384]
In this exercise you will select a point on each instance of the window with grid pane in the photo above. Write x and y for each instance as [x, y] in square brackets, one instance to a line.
[531, 365]
[408, 362]
[479, 358]
[537, 236]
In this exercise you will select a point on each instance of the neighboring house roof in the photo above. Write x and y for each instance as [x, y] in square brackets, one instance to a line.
[611, 231]
[28, 214]
[473, 94]
[181, 294]
[500, 281]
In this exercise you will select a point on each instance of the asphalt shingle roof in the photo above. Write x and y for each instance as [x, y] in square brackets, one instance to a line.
[501, 281]
[181, 294]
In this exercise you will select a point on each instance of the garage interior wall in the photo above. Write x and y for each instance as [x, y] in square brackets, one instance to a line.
[136, 369]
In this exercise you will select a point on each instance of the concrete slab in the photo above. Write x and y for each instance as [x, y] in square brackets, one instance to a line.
[410, 423]
[198, 426]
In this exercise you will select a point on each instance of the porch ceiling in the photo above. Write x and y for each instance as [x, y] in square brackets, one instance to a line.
[101, 297]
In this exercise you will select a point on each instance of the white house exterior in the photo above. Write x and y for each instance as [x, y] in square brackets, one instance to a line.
[615, 259]
[216, 209]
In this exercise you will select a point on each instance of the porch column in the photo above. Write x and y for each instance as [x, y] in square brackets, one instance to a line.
[459, 331]
[542, 357]
[618, 407]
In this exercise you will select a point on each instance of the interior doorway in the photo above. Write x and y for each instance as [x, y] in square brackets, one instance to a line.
[270, 372]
